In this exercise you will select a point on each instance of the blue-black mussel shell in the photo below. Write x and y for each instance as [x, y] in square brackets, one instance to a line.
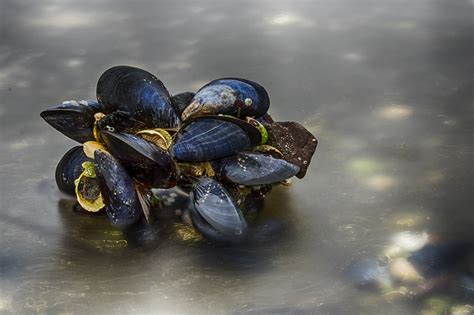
[256, 168]
[211, 137]
[118, 190]
[73, 119]
[214, 212]
[145, 161]
[138, 92]
[181, 101]
[69, 169]
[230, 96]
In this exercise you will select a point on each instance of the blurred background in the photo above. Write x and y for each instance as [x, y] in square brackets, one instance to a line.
[385, 86]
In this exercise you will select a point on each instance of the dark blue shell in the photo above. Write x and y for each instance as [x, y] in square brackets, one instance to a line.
[146, 162]
[213, 203]
[265, 119]
[255, 168]
[206, 229]
[210, 233]
[118, 190]
[74, 119]
[230, 96]
[181, 101]
[209, 138]
[138, 92]
[69, 169]
[120, 121]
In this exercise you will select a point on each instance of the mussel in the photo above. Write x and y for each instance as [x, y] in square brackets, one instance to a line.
[118, 190]
[255, 168]
[146, 162]
[230, 96]
[212, 137]
[205, 229]
[138, 92]
[181, 101]
[74, 119]
[215, 213]
[69, 169]
[87, 190]
[212, 168]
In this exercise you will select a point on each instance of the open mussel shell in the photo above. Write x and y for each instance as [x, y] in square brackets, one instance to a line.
[181, 101]
[211, 137]
[73, 119]
[146, 162]
[213, 203]
[87, 190]
[255, 168]
[138, 92]
[230, 96]
[69, 169]
[159, 137]
[118, 190]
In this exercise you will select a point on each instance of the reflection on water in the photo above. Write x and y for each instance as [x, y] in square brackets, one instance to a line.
[385, 86]
[396, 111]
[288, 19]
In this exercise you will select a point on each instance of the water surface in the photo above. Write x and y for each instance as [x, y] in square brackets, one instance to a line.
[386, 87]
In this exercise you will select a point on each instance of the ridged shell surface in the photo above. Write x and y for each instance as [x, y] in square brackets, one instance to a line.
[214, 203]
[208, 139]
[248, 168]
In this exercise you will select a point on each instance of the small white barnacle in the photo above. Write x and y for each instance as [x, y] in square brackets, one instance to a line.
[71, 103]
[248, 102]
[110, 128]
[83, 102]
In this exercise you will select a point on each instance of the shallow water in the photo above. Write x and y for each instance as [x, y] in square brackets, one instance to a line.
[386, 87]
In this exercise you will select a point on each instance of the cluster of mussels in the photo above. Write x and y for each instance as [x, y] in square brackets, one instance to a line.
[218, 145]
